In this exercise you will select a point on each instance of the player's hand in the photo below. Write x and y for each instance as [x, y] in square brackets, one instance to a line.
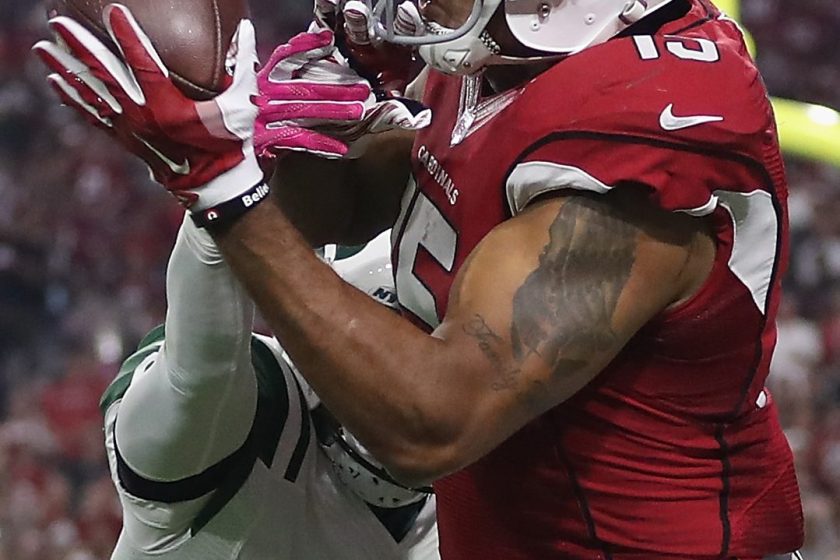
[311, 100]
[201, 151]
[389, 67]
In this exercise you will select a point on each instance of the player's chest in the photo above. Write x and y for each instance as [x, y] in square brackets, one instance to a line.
[456, 195]
[461, 161]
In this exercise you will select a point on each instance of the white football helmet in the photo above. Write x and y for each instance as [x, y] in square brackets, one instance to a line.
[554, 27]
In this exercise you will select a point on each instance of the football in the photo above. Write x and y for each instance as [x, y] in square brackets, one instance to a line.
[191, 36]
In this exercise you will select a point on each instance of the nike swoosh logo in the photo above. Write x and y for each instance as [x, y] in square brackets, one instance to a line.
[177, 168]
[669, 121]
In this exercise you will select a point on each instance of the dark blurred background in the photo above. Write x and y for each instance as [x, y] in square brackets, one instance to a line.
[84, 240]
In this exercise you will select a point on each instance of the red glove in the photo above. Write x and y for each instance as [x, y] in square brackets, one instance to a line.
[201, 151]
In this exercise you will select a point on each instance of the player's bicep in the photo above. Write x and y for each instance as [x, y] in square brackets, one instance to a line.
[549, 298]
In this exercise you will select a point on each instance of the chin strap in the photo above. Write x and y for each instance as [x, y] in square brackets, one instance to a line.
[496, 58]
[490, 43]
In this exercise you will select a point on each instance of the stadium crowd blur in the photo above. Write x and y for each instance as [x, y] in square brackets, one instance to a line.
[84, 241]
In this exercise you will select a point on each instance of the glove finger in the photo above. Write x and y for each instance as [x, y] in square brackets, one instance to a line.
[324, 110]
[244, 72]
[235, 104]
[301, 49]
[394, 113]
[406, 106]
[311, 41]
[71, 98]
[101, 62]
[408, 21]
[78, 77]
[271, 140]
[333, 69]
[144, 62]
[307, 91]
[325, 13]
[356, 22]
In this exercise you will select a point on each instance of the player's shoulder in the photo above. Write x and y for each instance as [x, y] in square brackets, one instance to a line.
[674, 111]
[664, 85]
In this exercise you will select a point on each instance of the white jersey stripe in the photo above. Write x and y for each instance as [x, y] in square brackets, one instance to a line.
[532, 179]
[296, 433]
[754, 220]
[756, 231]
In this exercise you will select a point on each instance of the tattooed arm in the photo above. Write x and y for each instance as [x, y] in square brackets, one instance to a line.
[542, 305]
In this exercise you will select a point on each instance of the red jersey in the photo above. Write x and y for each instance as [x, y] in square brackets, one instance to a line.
[674, 450]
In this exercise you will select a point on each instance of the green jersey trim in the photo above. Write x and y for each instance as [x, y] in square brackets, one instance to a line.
[260, 445]
[150, 344]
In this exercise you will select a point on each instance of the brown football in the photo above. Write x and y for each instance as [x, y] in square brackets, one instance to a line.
[192, 36]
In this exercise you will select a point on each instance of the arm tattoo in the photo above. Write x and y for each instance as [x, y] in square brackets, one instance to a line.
[563, 311]
[491, 345]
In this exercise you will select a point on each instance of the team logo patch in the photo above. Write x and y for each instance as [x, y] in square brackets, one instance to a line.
[385, 295]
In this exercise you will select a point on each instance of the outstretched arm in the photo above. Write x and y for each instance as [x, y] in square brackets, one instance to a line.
[545, 302]
[195, 404]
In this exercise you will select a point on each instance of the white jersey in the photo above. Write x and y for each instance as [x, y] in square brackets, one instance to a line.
[277, 497]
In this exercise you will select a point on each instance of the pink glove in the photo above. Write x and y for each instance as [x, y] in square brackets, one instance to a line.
[311, 100]
[290, 98]
[201, 151]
